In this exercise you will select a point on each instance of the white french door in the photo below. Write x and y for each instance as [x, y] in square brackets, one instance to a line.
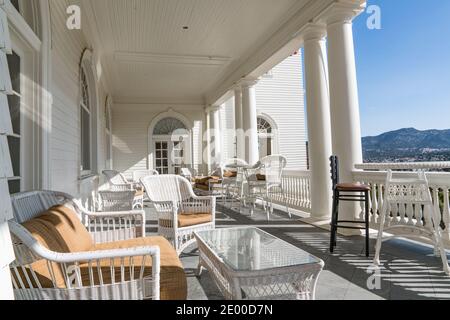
[169, 156]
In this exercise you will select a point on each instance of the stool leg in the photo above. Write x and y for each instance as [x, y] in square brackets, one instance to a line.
[366, 198]
[334, 218]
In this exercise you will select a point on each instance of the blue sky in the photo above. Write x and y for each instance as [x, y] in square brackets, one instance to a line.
[404, 68]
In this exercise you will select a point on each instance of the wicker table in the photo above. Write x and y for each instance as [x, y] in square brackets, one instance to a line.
[248, 263]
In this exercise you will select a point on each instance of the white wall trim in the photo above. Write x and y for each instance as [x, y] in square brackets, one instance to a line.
[18, 23]
[87, 64]
[275, 135]
[46, 94]
[170, 113]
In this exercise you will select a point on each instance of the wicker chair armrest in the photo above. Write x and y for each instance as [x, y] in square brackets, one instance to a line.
[117, 214]
[122, 187]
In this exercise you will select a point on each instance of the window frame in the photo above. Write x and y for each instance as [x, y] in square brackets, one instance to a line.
[272, 136]
[108, 134]
[87, 109]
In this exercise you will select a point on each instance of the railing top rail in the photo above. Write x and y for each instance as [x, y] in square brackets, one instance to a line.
[296, 173]
[434, 178]
[438, 165]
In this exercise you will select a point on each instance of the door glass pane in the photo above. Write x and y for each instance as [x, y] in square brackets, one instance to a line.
[14, 149]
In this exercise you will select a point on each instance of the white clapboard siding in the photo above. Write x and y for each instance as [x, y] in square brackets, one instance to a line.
[6, 249]
[67, 49]
[281, 96]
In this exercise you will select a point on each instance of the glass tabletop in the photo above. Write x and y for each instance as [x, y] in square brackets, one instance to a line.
[251, 249]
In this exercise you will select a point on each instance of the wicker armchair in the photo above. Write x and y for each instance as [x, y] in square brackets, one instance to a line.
[180, 211]
[118, 182]
[81, 275]
[264, 180]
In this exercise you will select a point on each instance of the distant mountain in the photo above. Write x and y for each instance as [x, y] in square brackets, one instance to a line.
[408, 145]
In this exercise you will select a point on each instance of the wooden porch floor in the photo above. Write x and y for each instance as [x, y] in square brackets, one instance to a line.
[410, 271]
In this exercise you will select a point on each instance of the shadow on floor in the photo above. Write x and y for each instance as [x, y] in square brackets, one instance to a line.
[409, 271]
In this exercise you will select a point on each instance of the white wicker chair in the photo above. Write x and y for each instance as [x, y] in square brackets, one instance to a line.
[138, 174]
[411, 192]
[172, 196]
[104, 227]
[118, 182]
[264, 180]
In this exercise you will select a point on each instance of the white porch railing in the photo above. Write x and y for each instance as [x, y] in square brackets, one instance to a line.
[296, 185]
[408, 214]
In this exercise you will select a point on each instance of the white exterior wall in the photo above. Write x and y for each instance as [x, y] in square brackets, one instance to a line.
[67, 49]
[131, 124]
[281, 97]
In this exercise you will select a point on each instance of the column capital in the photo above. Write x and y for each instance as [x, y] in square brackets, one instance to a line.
[247, 82]
[314, 32]
[343, 11]
[212, 108]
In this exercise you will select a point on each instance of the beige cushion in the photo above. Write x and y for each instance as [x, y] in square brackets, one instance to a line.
[230, 174]
[192, 219]
[172, 278]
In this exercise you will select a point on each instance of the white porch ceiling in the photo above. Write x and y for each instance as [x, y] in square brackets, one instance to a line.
[147, 54]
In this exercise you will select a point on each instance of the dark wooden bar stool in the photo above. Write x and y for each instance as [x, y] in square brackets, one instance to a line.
[347, 192]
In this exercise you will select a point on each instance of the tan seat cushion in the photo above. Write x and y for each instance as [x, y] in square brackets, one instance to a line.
[172, 278]
[201, 180]
[139, 193]
[192, 219]
[260, 177]
[202, 187]
[230, 174]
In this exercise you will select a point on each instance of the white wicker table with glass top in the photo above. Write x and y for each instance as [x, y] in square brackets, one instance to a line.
[250, 264]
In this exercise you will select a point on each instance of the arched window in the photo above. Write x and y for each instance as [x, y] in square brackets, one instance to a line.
[266, 137]
[86, 126]
[168, 126]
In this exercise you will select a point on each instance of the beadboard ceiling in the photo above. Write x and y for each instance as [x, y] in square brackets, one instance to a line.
[146, 53]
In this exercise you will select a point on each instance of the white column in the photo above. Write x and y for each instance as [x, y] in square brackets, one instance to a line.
[215, 138]
[319, 126]
[250, 121]
[240, 137]
[345, 119]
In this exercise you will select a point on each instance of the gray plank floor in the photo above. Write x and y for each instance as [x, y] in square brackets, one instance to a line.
[409, 271]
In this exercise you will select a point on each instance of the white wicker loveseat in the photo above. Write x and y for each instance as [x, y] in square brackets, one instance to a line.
[104, 258]
[180, 211]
